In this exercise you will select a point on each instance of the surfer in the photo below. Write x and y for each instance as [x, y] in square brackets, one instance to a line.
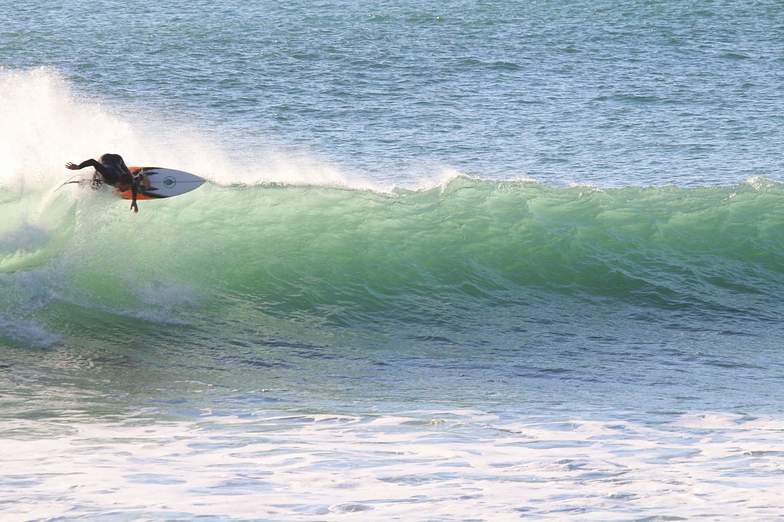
[111, 169]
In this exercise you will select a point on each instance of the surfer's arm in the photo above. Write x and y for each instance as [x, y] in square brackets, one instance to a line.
[88, 163]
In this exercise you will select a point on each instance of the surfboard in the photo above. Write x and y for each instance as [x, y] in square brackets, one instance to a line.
[161, 182]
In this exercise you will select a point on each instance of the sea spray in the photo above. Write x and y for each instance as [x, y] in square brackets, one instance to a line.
[45, 122]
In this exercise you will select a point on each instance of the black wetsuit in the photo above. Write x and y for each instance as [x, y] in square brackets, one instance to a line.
[111, 169]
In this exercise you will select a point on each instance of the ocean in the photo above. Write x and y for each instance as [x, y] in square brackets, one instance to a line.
[454, 261]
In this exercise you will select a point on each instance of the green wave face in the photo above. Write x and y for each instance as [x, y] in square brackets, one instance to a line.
[330, 257]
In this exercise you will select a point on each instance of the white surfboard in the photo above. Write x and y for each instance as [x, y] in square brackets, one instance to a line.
[159, 182]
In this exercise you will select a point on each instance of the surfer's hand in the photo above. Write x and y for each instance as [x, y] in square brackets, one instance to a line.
[71, 166]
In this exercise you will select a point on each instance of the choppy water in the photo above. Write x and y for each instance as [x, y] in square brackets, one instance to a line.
[455, 261]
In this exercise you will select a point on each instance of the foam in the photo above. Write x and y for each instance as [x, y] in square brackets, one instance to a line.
[26, 332]
[468, 465]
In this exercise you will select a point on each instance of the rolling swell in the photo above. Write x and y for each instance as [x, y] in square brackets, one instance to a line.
[349, 257]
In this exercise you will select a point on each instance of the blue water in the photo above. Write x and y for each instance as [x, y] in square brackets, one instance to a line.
[599, 92]
[454, 261]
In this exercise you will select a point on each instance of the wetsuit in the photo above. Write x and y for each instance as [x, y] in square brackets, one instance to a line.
[111, 169]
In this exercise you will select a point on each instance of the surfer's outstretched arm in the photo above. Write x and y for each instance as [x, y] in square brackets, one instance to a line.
[88, 163]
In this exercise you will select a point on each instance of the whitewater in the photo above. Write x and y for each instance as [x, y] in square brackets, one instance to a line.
[452, 262]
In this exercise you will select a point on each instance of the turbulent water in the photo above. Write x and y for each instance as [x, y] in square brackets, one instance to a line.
[453, 262]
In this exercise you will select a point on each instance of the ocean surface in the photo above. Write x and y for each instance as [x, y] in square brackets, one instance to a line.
[455, 261]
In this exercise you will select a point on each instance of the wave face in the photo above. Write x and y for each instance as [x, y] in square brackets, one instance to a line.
[350, 257]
